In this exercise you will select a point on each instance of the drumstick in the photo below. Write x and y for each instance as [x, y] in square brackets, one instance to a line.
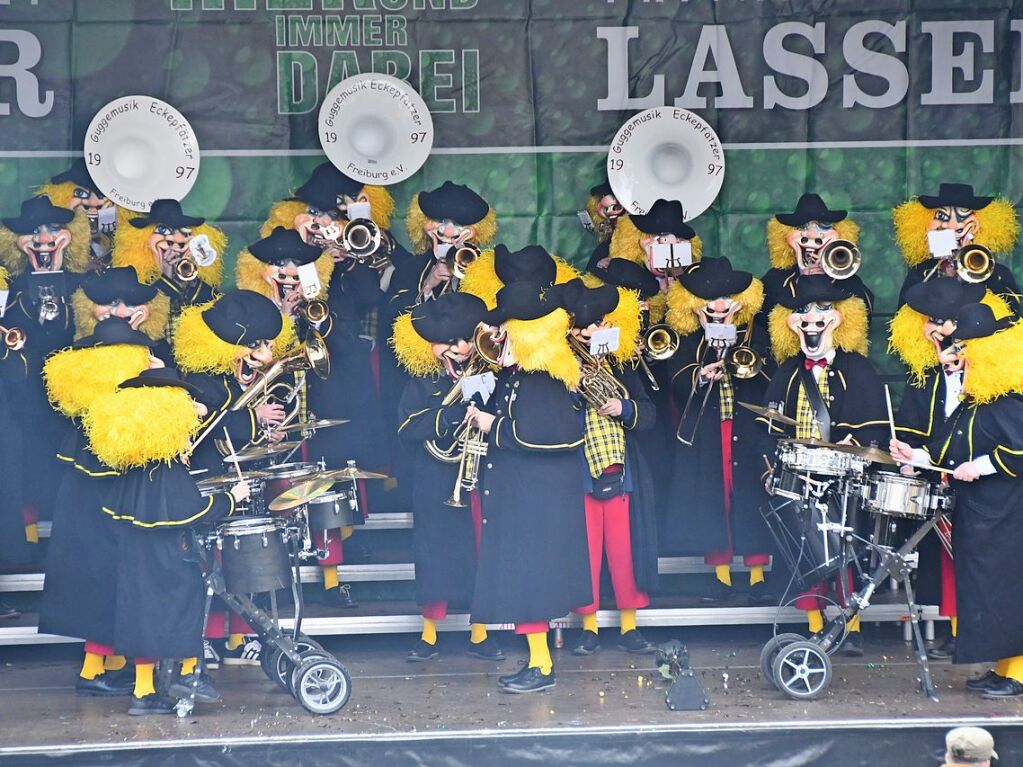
[234, 455]
[891, 416]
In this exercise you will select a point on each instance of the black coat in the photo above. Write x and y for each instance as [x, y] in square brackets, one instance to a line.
[987, 529]
[656, 443]
[218, 393]
[534, 561]
[184, 295]
[779, 283]
[1001, 282]
[443, 536]
[14, 548]
[159, 592]
[698, 524]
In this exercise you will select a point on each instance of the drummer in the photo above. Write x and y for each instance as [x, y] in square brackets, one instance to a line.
[824, 381]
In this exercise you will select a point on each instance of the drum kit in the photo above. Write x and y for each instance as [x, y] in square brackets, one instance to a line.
[822, 495]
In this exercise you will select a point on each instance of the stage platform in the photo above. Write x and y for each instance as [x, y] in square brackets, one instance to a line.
[606, 709]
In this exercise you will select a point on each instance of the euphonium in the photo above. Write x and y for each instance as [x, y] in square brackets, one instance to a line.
[185, 269]
[660, 341]
[840, 259]
[974, 263]
[14, 338]
[596, 384]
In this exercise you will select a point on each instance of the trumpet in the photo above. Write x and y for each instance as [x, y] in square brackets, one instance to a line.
[974, 263]
[14, 338]
[461, 257]
[315, 311]
[596, 384]
[185, 269]
[367, 243]
[840, 259]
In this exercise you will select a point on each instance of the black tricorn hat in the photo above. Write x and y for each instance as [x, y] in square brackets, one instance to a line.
[523, 300]
[943, 297]
[284, 245]
[532, 262]
[628, 274]
[587, 306]
[168, 213]
[978, 321]
[956, 196]
[456, 202]
[816, 288]
[450, 318]
[664, 217]
[78, 174]
[810, 207]
[325, 185]
[714, 278]
[119, 283]
[113, 331]
[35, 212]
[243, 317]
[159, 377]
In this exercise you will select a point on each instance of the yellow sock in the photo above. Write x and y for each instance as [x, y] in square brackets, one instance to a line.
[477, 633]
[114, 662]
[429, 634]
[1014, 668]
[330, 579]
[628, 618]
[590, 622]
[234, 641]
[954, 620]
[188, 666]
[539, 653]
[346, 532]
[723, 573]
[756, 575]
[32, 533]
[815, 619]
[1002, 667]
[144, 680]
[854, 624]
[92, 666]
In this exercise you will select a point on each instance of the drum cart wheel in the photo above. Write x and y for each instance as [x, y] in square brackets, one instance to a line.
[279, 666]
[802, 670]
[322, 685]
[770, 652]
[293, 675]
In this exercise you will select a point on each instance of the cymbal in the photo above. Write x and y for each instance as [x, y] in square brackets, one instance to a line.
[320, 423]
[870, 453]
[351, 473]
[259, 453]
[808, 442]
[301, 493]
[767, 412]
[229, 479]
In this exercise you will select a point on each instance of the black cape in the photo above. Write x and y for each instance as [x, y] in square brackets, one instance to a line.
[779, 283]
[1001, 282]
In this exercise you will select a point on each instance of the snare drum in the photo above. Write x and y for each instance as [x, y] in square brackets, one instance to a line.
[824, 461]
[339, 508]
[896, 495]
[788, 484]
[255, 555]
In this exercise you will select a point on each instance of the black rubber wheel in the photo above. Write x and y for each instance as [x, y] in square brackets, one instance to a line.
[770, 652]
[802, 670]
[322, 685]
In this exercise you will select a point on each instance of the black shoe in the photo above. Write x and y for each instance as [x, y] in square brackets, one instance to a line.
[502, 681]
[1006, 688]
[422, 652]
[109, 685]
[488, 649]
[356, 553]
[945, 651]
[342, 596]
[985, 681]
[205, 692]
[6, 611]
[852, 647]
[530, 679]
[587, 645]
[151, 704]
[716, 592]
[635, 643]
[759, 595]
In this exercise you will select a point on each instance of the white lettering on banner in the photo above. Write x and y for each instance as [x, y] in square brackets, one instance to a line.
[714, 41]
[786, 62]
[875, 63]
[32, 100]
[945, 63]
[618, 73]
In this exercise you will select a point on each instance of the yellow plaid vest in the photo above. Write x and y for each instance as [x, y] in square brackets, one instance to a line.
[604, 441]
[726, 395]
[806, 427]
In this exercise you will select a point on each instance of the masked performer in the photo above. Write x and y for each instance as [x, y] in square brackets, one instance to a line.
[143, 430]
[499, 267]
[980, 445]
[987, 222]
[824, 381]
[603, 210]
[717, 468]
[162, 244]
[619, 517]
[533, 563]
[798, 243]
[434, 344]
[117, 293]
[75, 190]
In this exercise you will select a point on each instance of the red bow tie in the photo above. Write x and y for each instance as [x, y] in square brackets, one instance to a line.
[811, 364]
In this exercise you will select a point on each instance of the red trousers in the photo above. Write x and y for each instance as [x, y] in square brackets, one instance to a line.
[725, 557]
[812, 598]
[948, 607]
[607, 529]
[438, 611]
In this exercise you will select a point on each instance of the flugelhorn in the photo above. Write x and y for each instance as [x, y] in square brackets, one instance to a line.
[840, 259]
[974, 263]
[596, 384]
[14, 338]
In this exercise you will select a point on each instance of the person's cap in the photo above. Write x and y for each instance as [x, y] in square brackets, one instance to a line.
[969, 744]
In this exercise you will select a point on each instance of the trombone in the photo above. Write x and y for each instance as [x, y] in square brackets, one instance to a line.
[14, 338]
[461, 258]
[660, 342]
[840, 259]
[367, 243]
[973, 264]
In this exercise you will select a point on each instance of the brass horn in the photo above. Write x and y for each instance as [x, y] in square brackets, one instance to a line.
[461, 258]
[744, 361]
[974, 263]
[361, 238]
[315, 311]
[14, 338]
[661, 341]
[185, 269]
[840, 259]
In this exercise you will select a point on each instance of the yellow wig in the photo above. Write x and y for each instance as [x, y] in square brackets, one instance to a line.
[906, 337]
[684, 307]
[994, 365]
[131, 249]
[593, 208]
[76, 377]
[625, 243]
[155, 325]
[63, 193]
[412, 350]
[658, 304]
[5, 278]
[851, 335]
[541, 345]
[783, 257]
[249, 274]
[627, 317]
[76, 255]
[481, 278]
[131, 428]
[997, 228]
[197, 349]
[415, 223]
[283, 212]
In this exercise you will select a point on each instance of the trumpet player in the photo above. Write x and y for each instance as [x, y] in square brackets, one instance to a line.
[988, 225]
[620, 518]
[716, 489]
[434, 343]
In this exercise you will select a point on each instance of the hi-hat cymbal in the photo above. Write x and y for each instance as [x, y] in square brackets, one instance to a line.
[259, 453]
[870, 453]
[351, 473]
[767, 412]
[321, 423]
[229, 479]
[301, 493]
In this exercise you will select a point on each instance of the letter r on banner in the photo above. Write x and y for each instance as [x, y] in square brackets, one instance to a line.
[32, 100]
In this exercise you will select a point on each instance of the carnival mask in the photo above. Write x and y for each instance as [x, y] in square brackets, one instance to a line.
[609, 210]
[283, 280]
[719, 311]
[92, 204]
[133, 315]
[45, 247]
[447, 232]
[807, 244]
[647, 242]
[257, 357]
[318, 227]
[962, 221]
[815, 324]
[452, 355]
[169, 246]
[939, 332]
[951, 358]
